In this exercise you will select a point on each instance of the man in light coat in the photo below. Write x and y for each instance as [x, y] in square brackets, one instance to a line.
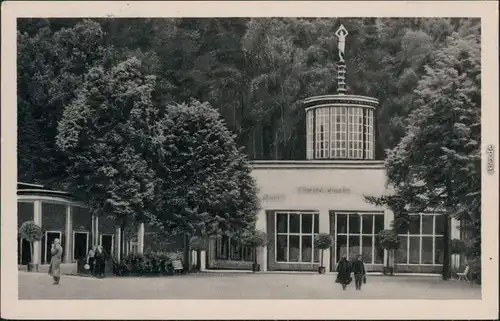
[55, 261]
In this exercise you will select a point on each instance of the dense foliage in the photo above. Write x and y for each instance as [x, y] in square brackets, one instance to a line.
[388, 239]
[31, 232]
[254, 72]
[436, 166]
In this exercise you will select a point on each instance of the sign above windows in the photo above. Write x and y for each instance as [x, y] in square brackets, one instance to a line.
[323, 190]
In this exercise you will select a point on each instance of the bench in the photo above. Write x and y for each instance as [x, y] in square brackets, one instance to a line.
[464, 275]
[177, 266]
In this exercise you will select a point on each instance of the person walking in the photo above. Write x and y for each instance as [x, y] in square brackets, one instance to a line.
[91, 260]
[56, 252]
[100, 261]
[343, 273]
[358, 268]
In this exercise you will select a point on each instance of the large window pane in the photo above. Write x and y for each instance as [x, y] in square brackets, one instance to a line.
[341, 223]
[307, 223]
[294, 223]
[316, 223]
[341, 247]
[428, 224]
[366, 250]
[354, 248]
[415, 224]
[367, 224]
[402, 253]
[281, 248]
[440, 224]
[438, 256]
[236, 253]
[282, 223]
[414, 250]
[427, 250]
[223, 248]
[294, 248]
[379, 223]
[306, 248]
[354, 223]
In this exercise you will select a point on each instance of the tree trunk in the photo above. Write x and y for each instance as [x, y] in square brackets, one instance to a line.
[32, 250]
[446, 248]
[187, 252]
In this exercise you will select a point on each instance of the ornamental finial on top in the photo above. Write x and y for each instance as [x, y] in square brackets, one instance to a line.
[341, 34]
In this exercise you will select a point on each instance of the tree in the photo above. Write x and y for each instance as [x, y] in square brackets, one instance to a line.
[203, 182]
[32, 233]
[106, 133]
[51, 64]
[322, 242]
[389, 240]
[436, 165]
[254, 239]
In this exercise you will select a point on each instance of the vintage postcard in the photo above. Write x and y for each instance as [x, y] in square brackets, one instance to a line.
[249, 160]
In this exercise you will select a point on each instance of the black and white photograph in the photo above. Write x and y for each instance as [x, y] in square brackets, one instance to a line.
[239, 157]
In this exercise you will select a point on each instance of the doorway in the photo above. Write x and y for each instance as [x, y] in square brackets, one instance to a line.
[107, 243]
[50, 236]
[23, 251]
[80, 245]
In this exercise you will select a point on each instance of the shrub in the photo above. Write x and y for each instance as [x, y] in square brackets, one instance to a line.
[388, 239]
[151, 263]
[322, 242]
[31, 232]
[457, 246]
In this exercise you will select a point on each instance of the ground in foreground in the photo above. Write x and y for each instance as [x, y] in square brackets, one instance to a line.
[38, 286]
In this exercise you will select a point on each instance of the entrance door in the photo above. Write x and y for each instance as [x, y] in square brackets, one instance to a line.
[107, 243]
[23, 251]
[50, 236]
[80, 245]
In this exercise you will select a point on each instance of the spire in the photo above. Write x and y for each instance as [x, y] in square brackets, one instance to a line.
[341, 67]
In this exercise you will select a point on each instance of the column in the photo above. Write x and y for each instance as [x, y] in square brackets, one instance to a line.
[324, 227]
[37, 246]
[118, 243]
[455, 234]
[140, 238]
[69, 235]
[96, 240]
[388, 218]
[261, 252]
[203, 263]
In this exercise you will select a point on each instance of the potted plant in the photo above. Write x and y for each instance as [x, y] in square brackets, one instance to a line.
[322, 242]
[31, 232]
[255, 239]
[389, 240]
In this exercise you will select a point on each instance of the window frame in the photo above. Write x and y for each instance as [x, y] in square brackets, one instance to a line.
[420, 236]
[360, 234]
[313, 234]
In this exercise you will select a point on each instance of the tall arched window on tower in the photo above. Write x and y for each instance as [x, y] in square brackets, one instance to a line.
[355, 129]
[369, 134]
[322, 130]
[310, 134]
[338, 123]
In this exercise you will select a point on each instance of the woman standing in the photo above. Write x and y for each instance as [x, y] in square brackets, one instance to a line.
[55, 261]
[90, 260]
[100, 261]
[344, 273]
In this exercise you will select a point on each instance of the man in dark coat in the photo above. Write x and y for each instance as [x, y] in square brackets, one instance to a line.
[358, 268]
[344, 273]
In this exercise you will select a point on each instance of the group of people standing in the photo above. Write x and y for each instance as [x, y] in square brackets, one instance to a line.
[96, 261]
[344, 270]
